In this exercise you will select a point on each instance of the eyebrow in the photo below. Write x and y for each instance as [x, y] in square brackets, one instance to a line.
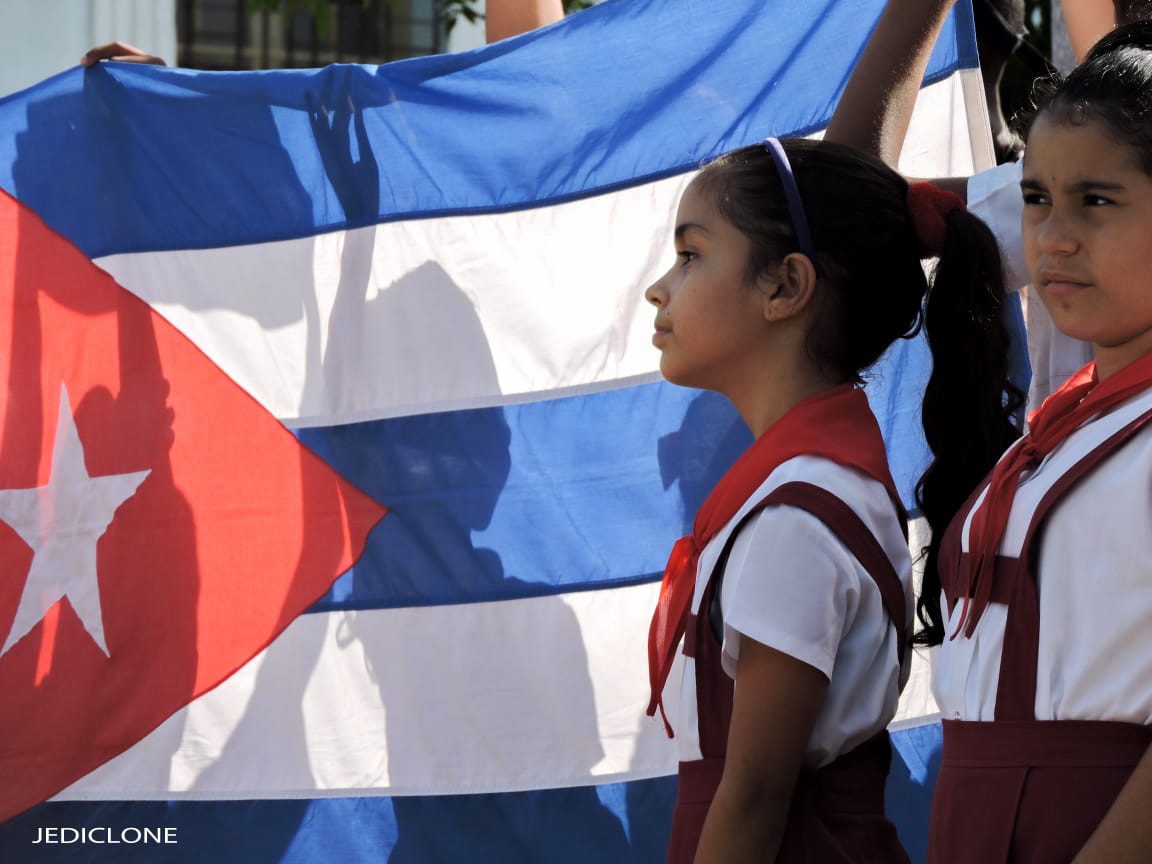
[1079, 186]
[684, 227]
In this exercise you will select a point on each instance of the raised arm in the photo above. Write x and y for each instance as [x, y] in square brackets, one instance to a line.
[874, 112]
[505, 18]
[1086, 21]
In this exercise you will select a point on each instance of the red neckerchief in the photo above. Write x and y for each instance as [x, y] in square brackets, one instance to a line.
[1080, 398]
[836, 424]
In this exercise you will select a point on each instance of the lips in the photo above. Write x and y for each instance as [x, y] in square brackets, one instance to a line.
[1057, 284]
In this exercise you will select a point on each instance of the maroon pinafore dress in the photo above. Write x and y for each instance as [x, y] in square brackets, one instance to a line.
[837, 812]
[1018, 789]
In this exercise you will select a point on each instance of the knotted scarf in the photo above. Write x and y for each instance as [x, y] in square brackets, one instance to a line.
[1080, 398]
[836, 424]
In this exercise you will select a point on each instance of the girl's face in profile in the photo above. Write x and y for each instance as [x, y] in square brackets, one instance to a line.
[1087, 229]
[710, 324]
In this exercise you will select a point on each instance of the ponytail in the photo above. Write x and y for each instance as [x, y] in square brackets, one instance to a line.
[969, 404]
[870, 231]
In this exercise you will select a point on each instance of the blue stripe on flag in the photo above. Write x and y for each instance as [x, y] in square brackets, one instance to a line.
[527, 122]
[619, 823]
[611, 824]
[529, 499]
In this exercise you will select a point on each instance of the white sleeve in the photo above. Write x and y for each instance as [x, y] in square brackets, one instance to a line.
[994, 196]
[790, 584]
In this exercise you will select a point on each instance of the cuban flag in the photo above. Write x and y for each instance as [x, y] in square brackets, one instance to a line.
[244, 315]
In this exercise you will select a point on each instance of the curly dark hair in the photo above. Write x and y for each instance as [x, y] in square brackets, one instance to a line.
[1112, 86]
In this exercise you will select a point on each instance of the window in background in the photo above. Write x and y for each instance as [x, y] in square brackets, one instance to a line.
[220, 34]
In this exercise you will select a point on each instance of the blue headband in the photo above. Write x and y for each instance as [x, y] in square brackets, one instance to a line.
[792, 196]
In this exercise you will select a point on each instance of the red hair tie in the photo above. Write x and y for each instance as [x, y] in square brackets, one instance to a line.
[928, 207]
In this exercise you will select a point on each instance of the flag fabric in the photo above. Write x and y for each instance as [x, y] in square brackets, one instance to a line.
[137, 482]
[431, 273]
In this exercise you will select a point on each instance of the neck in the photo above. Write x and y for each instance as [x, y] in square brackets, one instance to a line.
[1111, 359]
[778, 393]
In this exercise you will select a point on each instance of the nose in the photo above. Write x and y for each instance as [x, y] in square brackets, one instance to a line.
[656, 294]
[1056, 234]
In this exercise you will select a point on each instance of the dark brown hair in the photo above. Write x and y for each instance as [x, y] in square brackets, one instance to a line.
[872, 290]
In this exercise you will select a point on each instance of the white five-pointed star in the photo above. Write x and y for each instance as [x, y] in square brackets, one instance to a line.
[62, 523]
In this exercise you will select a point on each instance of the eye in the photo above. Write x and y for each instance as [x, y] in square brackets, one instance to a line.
[1091, 200]
[1032, 198]
[686, 255]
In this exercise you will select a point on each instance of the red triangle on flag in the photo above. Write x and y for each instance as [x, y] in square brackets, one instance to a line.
[158, 527]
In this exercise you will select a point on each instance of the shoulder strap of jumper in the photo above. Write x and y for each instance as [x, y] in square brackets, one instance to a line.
[844, 522]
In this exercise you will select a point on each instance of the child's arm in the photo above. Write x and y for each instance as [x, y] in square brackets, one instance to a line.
[774, 707]
[1086, 21]
[1125, 833]
[876, 108]
[504, 18]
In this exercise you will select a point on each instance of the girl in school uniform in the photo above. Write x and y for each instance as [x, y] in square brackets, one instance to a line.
[797, 264]
[1044, 675]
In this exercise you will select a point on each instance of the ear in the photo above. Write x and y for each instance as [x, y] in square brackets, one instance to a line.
[790, 290]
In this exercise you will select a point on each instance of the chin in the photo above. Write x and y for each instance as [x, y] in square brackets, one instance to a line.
[1072, 326]
[676, 376]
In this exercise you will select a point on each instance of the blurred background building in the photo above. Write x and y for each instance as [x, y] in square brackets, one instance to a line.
[39, 38]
